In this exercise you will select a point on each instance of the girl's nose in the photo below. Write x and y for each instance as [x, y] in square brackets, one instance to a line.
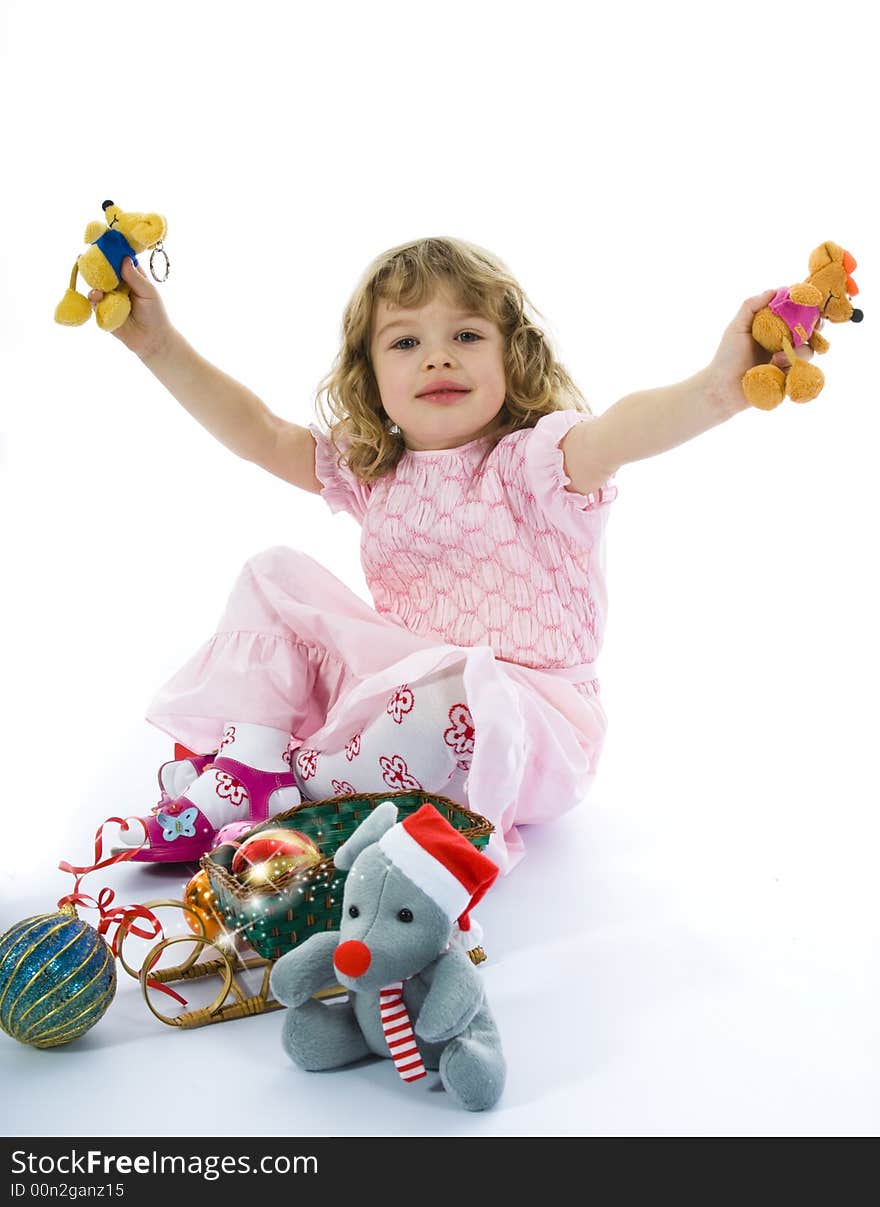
[439, 356]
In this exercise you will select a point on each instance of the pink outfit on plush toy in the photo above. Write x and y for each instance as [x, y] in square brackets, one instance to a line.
[801, 320]
[482, 566]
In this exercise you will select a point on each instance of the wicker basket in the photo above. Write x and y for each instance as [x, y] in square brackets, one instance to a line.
[273, 920]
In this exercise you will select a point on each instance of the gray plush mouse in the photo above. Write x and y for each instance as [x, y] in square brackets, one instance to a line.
[414, 994]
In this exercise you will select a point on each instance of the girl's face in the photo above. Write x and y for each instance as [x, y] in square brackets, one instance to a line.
[414, 350]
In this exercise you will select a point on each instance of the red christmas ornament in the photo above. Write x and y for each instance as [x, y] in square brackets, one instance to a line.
[266, 857]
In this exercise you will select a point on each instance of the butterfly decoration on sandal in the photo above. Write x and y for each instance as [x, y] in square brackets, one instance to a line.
[178, 825]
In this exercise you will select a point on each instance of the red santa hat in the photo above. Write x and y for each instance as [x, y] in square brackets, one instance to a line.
[440, 861]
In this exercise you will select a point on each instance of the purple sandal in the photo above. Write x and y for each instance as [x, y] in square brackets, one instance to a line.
[177, 831]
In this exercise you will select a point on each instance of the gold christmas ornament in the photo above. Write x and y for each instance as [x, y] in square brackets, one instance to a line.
[199, 896]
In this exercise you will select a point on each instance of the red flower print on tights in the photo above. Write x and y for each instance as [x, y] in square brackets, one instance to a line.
[228, 737]
[396, 774]
[292, 747]
[307, 763]
[400, 703]
[342, 788]
[460, 734]
[353, 747]
[230, 788]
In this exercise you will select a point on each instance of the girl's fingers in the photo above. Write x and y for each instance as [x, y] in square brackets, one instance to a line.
[128, 272]
[742, 320]
[137, 278]
[758, 301]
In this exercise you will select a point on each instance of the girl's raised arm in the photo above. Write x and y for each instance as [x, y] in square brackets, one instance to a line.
[223, 406]
[235, 415]
[651, 421]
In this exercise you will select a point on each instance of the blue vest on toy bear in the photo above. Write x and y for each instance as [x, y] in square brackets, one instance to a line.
[116, 247]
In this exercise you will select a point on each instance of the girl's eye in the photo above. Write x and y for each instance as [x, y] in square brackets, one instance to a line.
[403, 340]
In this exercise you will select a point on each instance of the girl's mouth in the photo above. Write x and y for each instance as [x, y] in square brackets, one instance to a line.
[444, 395]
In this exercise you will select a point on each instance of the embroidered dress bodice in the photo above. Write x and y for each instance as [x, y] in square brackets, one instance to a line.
[483, 545]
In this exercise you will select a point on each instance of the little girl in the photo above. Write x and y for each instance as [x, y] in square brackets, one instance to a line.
[482, 483]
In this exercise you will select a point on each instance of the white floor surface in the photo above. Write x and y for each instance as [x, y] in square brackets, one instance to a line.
[649, 977]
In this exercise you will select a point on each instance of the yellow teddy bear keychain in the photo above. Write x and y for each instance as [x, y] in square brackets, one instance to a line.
[123, 234]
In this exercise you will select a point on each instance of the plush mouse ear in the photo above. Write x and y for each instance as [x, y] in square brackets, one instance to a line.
[825, 254]
[148, 229]
[369, 831]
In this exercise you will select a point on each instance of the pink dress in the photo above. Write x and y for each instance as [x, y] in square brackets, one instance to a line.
[477, 558]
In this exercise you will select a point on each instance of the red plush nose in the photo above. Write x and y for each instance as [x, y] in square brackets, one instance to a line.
[352, 958]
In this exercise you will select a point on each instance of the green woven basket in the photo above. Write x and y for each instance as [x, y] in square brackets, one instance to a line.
[273, 920]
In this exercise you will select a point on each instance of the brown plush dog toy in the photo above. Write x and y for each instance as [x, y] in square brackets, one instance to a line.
[792, 319]
[123, 234]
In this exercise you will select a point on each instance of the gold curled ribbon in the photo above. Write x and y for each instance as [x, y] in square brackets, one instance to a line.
[126, 927]
[226, 965]
[181, 971]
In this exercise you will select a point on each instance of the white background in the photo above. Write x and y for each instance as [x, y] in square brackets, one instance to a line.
[694, 951]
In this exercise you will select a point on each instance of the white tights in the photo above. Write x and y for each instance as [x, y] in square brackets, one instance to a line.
[423, 738]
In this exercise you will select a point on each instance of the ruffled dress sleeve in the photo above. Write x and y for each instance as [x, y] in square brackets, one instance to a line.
[343, 490]
[544, 467]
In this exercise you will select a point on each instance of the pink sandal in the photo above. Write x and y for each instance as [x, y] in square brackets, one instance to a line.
[177, 774]
[177, 831]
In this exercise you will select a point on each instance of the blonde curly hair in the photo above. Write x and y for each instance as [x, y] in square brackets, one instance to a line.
[348, 398]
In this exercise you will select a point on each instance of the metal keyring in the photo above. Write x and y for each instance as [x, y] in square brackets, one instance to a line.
[161, 249]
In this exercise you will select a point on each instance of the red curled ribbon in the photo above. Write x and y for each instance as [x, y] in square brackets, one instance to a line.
[122, 917]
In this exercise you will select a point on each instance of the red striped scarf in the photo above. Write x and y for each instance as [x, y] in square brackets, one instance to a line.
[399, 1033]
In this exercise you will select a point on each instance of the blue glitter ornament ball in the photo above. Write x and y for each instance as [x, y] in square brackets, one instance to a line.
[57, 977]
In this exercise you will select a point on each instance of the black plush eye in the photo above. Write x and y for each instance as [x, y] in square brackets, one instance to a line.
[353, 911]
[404, 915]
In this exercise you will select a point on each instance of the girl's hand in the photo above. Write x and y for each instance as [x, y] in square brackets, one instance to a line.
[147, 327]
[738, 352]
